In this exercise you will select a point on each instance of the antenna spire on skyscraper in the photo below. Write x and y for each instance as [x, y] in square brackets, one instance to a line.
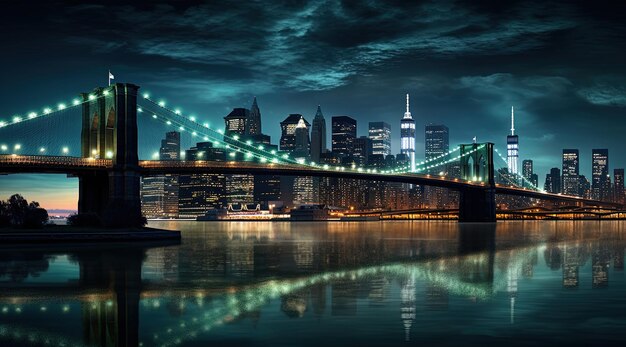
[407, 114]
[512, 121]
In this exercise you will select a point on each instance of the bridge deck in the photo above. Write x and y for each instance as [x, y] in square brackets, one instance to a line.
[74, 165]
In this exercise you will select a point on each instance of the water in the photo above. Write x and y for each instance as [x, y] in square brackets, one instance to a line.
[335, 284]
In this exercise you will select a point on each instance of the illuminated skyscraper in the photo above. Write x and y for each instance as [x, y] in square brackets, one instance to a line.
[236, 122]
[288, 132]
[512, 146]
[344, 133]
[600, 187]
[407, 135]
[618, 192]
[570, 172]
[380, 134]
[527, 173]
[254, 119]
[159, 194]
[318, 135]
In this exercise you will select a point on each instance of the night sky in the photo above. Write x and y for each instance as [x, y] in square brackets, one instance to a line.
[464, 63]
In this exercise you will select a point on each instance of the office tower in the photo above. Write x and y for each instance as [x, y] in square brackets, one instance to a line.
[288, 132]
[236, 122]
[303, 186]
[170, 150]
[570, 172]
[600, 187]
[512, 146]
[553, 181]
[254, 119]
[618, 192]
[318, 136]
[199, 193]
[380, 134]
[159, 194]
[362, 150]
[343, 135]
[527, 173]
[436, 144]
[535, 180]
[584, 187]
[407, 136]
[302, 142]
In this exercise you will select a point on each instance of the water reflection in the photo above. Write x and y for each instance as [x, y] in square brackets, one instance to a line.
[239, 282]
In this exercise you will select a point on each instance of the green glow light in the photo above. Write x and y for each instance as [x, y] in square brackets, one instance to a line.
[4, 147]
[42, 149]
[193, 133]
[154, 116]
[32, 115]
[17, 147]
[248, 142]
[177, 111]
[146, 95]
[168, 123]
[65, 150]
[181, 128]
[17, 119]
[162, 103]
[139, 109]
[192, 118]
[273, 151]
[75, 102]
[47, 110]
[236, 137]
[206, 125]
[91, 97]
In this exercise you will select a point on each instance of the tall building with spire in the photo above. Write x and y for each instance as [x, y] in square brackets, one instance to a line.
[407, 135]
[318, 135]
[512, 148]
[254, 119]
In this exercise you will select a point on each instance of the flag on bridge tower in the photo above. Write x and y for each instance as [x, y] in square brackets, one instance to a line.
[110, 77]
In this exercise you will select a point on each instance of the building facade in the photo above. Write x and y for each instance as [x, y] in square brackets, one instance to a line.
[343, 135]
[570, 172]
[380, 135]
[600, 181]
[318, 135]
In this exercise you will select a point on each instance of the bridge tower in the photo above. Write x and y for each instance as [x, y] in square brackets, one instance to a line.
[109, 130]
[477, 203]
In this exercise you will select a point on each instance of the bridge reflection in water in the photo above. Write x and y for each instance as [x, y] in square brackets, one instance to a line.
[166, 296]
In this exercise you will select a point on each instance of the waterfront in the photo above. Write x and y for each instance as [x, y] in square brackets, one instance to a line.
[318, 283]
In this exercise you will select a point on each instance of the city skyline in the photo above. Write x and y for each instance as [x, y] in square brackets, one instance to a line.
[465, 76]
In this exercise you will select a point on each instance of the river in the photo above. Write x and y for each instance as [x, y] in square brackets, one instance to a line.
[400, 283]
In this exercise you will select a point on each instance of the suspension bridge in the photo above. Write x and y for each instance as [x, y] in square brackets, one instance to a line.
[109, 168]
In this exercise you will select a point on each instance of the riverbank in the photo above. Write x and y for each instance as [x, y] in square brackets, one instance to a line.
[66, 234]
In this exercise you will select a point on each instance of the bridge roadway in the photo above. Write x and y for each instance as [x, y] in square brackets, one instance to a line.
[74, 165]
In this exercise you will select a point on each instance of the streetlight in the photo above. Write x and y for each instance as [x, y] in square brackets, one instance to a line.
[66, 150]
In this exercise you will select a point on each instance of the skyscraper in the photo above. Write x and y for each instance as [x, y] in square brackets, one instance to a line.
[288, 132]
[380, 134]
[318, 135]
[407, 135]
[236, 122]
[553, 181]
[159, 194]
[600, 187]
[437, 142]
[527, 172]
[362, 150]
[254, 119]
[200, 192]
[618, 192]
[512, 147]
[301, 150]
[344, 133]
[570, 172]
